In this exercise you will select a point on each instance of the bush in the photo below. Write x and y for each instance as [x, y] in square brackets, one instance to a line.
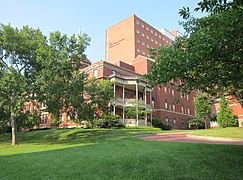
[108, 121]
[157, 122]
[55, 122]
[196, 122]
[166, 127]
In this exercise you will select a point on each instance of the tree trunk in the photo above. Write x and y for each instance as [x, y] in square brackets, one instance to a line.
[14, 129]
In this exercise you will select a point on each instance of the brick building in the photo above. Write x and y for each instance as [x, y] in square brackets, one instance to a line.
[129, 42]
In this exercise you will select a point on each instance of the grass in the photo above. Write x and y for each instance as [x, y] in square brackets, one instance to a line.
[230, 132]
[114, 154]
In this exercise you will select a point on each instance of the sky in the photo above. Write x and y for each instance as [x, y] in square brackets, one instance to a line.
[92, 17]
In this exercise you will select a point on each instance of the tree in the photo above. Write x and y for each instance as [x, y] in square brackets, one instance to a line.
[61, 82]
[136, 111]
[209, 56]
[225, 117]
[19, 64]
[108, 121]
[203, 107]
[98, 96]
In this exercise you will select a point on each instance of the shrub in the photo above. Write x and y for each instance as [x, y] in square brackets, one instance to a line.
[196, 122]
[55, 122]
[108, 121]
[157, 122]
[166, 127]
[225, 116]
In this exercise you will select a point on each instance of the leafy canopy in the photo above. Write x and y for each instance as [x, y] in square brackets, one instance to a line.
[209, 56]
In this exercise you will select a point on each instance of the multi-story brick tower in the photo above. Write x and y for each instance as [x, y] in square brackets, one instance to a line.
[130, 41]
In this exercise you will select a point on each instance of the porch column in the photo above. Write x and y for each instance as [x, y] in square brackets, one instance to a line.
[123, 93]
[123, 115]
[114, 104]
[145, 95]
[137, 101]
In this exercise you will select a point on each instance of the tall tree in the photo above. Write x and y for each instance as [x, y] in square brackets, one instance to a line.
[19, 64]
[61, 82]
[99, 95]
[225, 117]
[203, 107]
[209, 56]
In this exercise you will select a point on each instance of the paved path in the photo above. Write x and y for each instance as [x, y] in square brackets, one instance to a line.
[185, 137]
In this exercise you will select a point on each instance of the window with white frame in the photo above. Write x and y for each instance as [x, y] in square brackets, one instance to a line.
[188, 111]
[142, 25]
[182, 110]
[166, 104]
[95, 73]
[175, 122]
[138, 32]
[159, 36]
[166, 120]
[152, 40]
[143, 43]
[173, 92]
[151, 31]
[142, 34]
[165, 90]
[143, 52]
[137, 22]
[147, 28]
[173, 106]
[138, 40]
[138, 50]
[156, 42]
[148, 54]
[148, 46]
[155, 33]
[187, 97]
[147, 36]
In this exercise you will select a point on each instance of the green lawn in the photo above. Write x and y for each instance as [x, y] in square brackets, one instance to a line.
[230, 132]
[114, 154]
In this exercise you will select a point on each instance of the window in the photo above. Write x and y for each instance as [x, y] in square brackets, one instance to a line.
[166, 104]
[138, 50]
[188, 111]
[173, 107]
[165, 90]
[148, 54]
[160, 44]
[175, 122]
[138, 40]
[113, 72]
[159, 36]
[95, 73]
[187, 97]
[142, 34]
[163, 39]
[147, 28]
[138, 32]
[143, 43]
[142, 25]
[182, 110]
[137, 23]
[151, 31]
[183, 124]
[167, 41]
[173, 92]
[152, 40]
[155, 34]
[156, 42]
[143, 52]
[166, 120]
[148, 46]
[147, 36]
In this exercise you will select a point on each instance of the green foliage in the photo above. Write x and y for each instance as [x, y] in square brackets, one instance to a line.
[108, 121]
[27, 119]
[157, 122]
[137, 110]
[166, 127]
[99, 94]
[55, 121]
[208, 57]
[225, 117]
[196, 122]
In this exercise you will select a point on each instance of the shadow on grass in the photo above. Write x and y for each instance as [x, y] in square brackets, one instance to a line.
[113, 157]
